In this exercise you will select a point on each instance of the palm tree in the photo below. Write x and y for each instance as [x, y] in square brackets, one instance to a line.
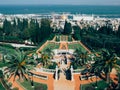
[17, 65]
[106, 63]
[81, 57]
[46, 55]
[49, 52]
[2, 81]
[44, 59]
[77, 54]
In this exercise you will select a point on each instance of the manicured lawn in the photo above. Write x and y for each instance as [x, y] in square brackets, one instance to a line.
[76, 46]
[27, 85]
[1, 87]
[51, 46]
[101, 85]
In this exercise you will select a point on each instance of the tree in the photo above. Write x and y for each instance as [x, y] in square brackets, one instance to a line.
[76, 34]
[45, 29]
[2, 80]
[45, 57]
[7, 27]
[78, 59]
[67, 28]
[106, 63]
[17, 65]
[106, 30]
[118, 32]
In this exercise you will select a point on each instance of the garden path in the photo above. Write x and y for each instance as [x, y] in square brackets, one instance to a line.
[63, 83]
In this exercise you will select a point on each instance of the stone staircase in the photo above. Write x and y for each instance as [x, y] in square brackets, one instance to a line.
[63, 84]
[63, 38]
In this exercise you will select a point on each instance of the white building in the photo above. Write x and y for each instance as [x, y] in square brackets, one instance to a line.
[83, 17]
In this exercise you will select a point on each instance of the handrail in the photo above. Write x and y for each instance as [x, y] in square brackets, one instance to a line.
[48, 70]
[77, 70]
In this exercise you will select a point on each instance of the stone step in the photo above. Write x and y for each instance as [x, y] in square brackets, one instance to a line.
[62, 76]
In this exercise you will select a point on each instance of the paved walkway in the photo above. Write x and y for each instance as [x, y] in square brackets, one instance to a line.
[63, 45]
[15, 83]
[63, 83]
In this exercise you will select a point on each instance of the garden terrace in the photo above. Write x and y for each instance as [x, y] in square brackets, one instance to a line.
[101, 85]
[78, 45]
[27, 85]
[51, 45]
[48, 44]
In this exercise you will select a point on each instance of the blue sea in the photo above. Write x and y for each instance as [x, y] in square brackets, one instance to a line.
[111, 11]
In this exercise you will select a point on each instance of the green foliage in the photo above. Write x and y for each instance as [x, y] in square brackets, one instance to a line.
[6, 46]
[51, 46]
[77, 33]
[27, 85]
[67, 28]
[22, 29]
[106, 30]
[75, 66]
[101, 86]
[1, 74]
[26, 49]
[69, 38]
[105, 63]
[1, 87]
[7, 27]
[118, 32]
[17, 64]
[76, 46]
[52, 65]
[58, 38]
[2, 64]
[10, 84]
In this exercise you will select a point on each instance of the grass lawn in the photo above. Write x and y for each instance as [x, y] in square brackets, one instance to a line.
[76, 46]
[101, 85]
[51, 46]
[1, 87]
[27, 85]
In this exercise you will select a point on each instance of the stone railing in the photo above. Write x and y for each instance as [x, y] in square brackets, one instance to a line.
[47, 70]
[84, 47]
[42, 46]
[77, 71]
[41, 76]
[84, 77]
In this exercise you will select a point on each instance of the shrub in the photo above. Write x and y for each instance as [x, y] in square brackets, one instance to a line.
[10, 84]
[15, 88]
[69, 38]
[52, 66]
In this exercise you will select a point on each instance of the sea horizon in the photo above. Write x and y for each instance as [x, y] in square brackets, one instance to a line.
[73, 9]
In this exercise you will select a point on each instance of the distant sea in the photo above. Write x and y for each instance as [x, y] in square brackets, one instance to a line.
[111, 11]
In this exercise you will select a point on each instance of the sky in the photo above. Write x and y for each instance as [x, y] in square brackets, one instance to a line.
[61, 2]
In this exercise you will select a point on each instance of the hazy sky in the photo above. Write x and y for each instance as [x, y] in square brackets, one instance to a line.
[72, 2]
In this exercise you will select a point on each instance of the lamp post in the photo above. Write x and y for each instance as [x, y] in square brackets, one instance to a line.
[72, 78]
[31, 79]
[56, 73]
[32, 84]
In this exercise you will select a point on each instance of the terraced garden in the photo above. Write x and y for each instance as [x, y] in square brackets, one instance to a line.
[37, 86]
[76, 46]
[51, 46]
[101, 85]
